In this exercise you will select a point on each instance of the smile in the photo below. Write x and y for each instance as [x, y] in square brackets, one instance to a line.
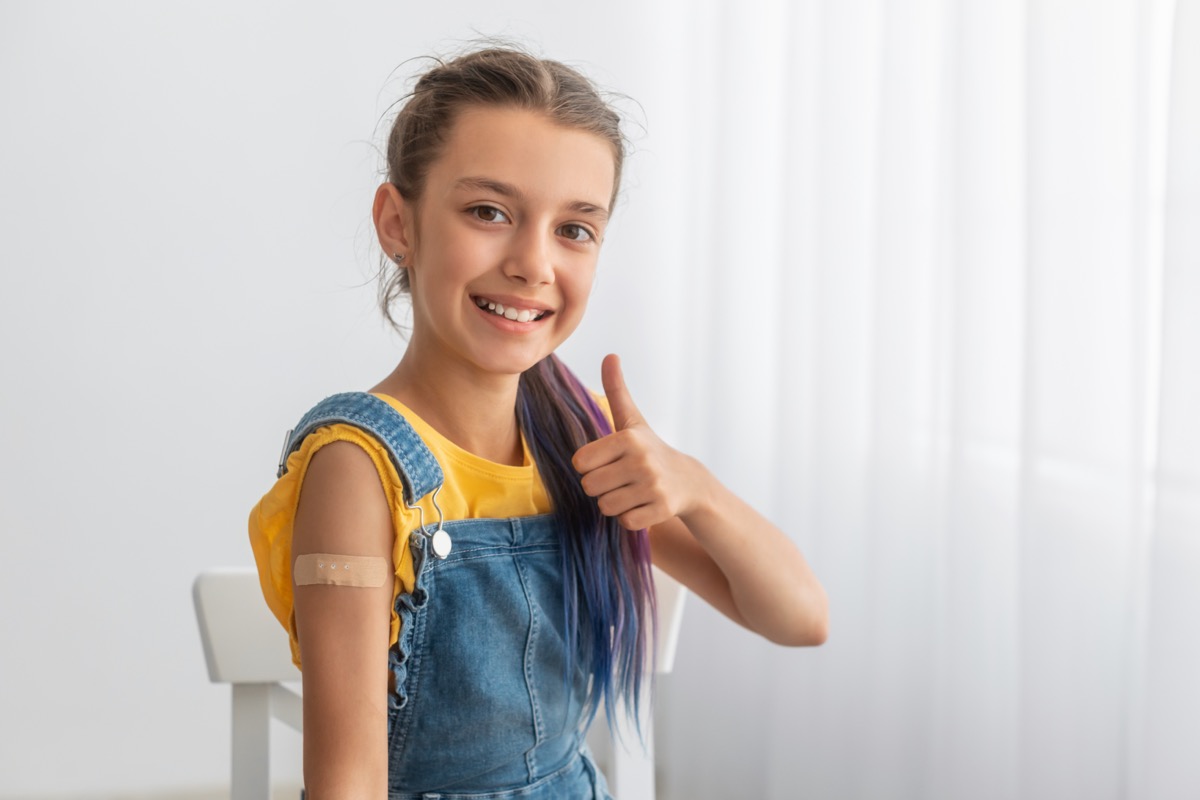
[510, 312]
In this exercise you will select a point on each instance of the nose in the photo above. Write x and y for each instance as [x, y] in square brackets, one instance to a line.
[529, 260]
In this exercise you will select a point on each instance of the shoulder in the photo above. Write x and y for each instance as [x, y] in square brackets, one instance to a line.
[342, 462]
[343, 502]
[345, 466]
[336, 495]
[337, 470]
[344, 452]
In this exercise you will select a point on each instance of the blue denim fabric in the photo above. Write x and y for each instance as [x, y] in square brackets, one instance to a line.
[417, 467]
[482, 706]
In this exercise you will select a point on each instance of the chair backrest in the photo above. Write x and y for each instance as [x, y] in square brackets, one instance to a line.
[670, 596]
[245, 646]
[243, 642]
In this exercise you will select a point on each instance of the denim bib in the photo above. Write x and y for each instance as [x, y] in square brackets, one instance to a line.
[482, 706]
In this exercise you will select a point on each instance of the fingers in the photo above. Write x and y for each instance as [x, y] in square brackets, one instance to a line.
[633, 508]
[624, 412]
[630, 492]
[620, 470]
[594, 455]
[622, 501]
[606, 479]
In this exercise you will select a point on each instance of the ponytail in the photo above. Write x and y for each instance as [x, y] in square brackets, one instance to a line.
[608, 588]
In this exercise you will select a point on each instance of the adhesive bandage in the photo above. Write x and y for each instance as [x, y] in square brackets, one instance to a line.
[312, 568]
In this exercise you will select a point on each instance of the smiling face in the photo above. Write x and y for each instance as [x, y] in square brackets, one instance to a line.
[501, 246]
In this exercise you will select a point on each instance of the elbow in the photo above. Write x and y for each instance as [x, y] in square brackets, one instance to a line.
[813, 633]
[818, 633]
[810, 626]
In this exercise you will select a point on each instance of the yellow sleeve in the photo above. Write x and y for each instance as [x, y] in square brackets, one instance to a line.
[602, 401]
[272, 518]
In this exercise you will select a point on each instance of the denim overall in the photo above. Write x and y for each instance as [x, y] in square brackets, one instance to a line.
[482, 707]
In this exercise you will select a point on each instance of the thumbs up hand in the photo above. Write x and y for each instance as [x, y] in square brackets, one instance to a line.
[634, 475]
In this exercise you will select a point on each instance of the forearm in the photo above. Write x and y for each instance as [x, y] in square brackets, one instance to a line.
[770, 585]
[700, 532]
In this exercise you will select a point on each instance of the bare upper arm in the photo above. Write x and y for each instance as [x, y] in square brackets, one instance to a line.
[344, 631]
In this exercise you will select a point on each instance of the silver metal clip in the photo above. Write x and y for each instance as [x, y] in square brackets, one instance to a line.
[439, 540]
[283, 454]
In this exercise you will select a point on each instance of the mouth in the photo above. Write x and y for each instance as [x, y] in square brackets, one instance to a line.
[512, 313]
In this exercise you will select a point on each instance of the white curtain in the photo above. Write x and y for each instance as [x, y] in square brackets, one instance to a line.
[948, 252]
[919, 278]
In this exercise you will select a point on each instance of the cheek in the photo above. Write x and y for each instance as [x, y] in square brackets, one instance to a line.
[465, 257]
[578, 288]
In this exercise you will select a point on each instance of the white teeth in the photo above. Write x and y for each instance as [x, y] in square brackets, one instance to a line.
[524, 315]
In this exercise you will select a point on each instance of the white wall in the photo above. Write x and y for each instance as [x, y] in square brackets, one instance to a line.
[185, 249]
[887, 266]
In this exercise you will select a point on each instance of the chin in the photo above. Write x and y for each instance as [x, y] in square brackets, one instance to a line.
[510, 365]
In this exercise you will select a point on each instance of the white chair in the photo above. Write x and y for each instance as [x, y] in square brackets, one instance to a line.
[245, 647]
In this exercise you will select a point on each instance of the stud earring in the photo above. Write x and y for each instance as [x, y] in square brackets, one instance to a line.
[399, 257]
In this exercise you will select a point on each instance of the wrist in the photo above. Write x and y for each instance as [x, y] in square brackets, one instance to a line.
[701, 491]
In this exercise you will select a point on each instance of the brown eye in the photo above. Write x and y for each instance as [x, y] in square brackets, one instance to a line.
[488, 214]
[576, 233]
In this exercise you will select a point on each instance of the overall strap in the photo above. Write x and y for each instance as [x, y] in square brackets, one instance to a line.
[418, 469]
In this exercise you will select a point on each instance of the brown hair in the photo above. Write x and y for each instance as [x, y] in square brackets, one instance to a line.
[495, 76]
[607, 584]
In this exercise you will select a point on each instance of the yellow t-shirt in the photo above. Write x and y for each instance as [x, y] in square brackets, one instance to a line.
[474, 487]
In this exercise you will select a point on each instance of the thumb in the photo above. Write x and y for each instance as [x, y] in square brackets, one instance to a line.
[624, 412]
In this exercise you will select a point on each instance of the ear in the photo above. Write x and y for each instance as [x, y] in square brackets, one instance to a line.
[393, 221]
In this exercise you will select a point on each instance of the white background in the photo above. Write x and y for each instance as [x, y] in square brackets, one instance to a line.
[918, 279]
[187, 255]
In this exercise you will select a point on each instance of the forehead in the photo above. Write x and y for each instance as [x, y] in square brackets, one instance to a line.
[548, 162]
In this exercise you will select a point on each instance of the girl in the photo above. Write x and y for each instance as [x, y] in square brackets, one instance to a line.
[465, 576]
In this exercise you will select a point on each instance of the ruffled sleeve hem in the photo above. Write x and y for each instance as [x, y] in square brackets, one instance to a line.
[272, 519]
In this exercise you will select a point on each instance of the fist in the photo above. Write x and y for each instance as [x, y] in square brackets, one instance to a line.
[634, 476]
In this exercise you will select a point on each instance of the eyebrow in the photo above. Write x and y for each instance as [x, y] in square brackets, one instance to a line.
[508, 190]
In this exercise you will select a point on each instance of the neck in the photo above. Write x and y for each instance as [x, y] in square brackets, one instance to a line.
[476, 411]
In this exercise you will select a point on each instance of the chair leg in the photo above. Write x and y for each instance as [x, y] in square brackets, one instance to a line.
[632, 775]
[251, 742]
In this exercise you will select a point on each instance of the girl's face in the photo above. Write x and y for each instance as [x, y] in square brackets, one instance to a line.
[507, 233]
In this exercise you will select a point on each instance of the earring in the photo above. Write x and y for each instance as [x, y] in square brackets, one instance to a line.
[399, 257]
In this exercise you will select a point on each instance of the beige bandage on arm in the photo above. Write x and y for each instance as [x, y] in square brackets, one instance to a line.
[315, 568]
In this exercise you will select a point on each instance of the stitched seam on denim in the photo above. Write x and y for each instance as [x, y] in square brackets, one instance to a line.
[527, 520]
[530, 643]
[510, 553]
[599, 785]
[412, 477]
[410, 455]
[414, 660]
[413, 683]
[406, 459]
[515, 548]
[463, 549]
[521, 791]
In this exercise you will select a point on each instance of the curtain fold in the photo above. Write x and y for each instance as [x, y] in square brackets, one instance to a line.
[964, 236]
